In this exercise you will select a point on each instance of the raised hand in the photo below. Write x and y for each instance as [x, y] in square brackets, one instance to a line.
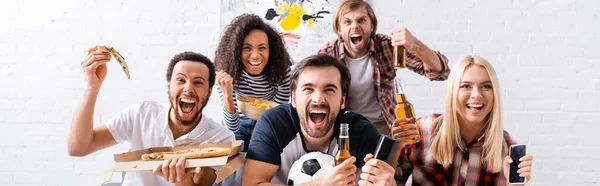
[94, 67]
[225, 82]
[402, 37]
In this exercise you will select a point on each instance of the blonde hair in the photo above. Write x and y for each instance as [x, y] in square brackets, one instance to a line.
[351, 5]
[448, 135]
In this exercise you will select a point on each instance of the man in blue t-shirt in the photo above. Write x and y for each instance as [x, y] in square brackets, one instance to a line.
[311, 123]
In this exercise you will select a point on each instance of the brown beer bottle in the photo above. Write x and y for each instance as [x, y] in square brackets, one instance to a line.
[399, 57]
[403, 109]
[343, 152]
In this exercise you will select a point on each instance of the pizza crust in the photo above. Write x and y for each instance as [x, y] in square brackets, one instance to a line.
[214, 152]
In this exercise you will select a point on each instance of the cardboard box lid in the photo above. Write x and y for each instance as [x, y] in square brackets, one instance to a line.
[132, 161]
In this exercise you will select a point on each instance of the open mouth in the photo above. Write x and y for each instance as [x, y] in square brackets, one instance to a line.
[476, 107]
[318, 116]
[257, 63]
[356, 39]
[187, 105]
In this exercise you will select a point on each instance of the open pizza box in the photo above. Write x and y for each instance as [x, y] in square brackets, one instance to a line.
[132, 161]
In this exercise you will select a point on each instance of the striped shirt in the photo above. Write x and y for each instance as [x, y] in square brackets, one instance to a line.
[468, 167]
[256, 86]
[381, 52]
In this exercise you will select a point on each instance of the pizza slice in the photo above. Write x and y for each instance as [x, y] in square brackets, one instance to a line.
[189, 154]
[117, 56]
[214, 152]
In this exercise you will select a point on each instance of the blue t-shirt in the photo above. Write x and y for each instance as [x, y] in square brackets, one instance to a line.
[277, 139]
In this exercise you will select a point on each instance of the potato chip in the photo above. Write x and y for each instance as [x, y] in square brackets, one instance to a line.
[258, 104]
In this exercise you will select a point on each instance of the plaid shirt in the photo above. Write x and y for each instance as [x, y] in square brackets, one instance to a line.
[381, 52]
[468, 167]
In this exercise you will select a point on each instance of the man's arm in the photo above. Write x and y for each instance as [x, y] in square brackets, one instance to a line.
[431, 59]
[83, 139]
[258, 173]
[434, 64]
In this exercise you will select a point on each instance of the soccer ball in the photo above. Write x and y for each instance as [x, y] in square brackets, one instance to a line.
[308, 168]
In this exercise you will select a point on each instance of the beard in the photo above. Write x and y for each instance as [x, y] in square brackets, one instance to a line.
[197, 115]
[314, 133]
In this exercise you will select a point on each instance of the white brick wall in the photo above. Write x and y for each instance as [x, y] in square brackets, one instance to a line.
[546, 54]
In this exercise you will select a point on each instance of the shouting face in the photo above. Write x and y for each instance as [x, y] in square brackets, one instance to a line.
[355, 29]
[318, 100]
[188, 92]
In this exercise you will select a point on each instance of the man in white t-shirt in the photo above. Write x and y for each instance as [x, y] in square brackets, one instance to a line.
[190, 77]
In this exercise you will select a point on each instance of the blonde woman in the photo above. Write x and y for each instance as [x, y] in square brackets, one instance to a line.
[467, 145]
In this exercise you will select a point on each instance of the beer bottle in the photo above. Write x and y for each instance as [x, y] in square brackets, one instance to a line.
[399, 57]
[399, 52]
[343, 152]
[403, 109]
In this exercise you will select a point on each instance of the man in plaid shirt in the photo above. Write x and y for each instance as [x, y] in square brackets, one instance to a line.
[368, 55]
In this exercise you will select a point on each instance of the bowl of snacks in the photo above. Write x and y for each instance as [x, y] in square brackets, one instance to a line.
[254, 107]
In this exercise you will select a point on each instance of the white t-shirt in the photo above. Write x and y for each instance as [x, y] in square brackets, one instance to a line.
[146, 124]
[361, 96]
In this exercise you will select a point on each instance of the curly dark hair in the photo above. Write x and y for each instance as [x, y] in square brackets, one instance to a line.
[228, 55]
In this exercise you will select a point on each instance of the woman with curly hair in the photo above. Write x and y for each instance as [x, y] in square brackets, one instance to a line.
[252, 62]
